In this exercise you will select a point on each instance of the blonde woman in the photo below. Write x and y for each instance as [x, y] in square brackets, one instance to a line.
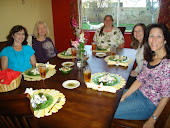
[108, 35]
[42, 44]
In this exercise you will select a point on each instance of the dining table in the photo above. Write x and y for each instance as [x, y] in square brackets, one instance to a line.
[84, 107]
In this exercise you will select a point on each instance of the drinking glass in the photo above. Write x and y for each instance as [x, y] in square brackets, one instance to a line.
[73, 51]
[87, 74]
[113, 50]
[42, 69]
[94, 45]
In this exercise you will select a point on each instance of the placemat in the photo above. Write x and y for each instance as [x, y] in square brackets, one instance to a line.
[130, 60]
[51, 72]
[101, 50]
[51, 105]
[65, 56]
[118, 83]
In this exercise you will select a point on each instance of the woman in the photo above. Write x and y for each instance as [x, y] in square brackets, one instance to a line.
[108, 35]
[42, 44]
[149, 94]
[138, 35]
[17, 55]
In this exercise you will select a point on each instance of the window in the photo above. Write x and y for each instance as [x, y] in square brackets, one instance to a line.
[128, 13]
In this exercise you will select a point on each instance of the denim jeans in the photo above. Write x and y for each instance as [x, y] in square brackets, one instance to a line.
[135, 107]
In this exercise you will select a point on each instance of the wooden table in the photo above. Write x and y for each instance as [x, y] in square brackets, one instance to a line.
[84, 108]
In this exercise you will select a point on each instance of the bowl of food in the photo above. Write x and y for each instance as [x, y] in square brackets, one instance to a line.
[65, 70]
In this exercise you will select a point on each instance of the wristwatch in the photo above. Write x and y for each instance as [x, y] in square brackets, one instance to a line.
[154, 117]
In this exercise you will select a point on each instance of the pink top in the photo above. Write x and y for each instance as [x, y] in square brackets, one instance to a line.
[155, 81]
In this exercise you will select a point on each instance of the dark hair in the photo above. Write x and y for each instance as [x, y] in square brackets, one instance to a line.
[148, 53]
[14, 30]
[101, 30]
[135, 42]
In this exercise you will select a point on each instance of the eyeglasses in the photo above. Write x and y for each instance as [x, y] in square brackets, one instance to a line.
[138, 31]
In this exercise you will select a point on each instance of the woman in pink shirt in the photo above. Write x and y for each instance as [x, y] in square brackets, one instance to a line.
[149, 94]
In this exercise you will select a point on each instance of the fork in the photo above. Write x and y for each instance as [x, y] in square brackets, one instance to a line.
[55, 104]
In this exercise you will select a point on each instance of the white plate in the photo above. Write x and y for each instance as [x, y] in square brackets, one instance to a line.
[71, 84]
[100, 54]
[67, 64]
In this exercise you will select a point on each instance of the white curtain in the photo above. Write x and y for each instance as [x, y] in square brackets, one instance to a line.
[80, 12]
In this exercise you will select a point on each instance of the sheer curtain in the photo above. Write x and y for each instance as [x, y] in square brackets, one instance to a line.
[76, 10]
[164, 14]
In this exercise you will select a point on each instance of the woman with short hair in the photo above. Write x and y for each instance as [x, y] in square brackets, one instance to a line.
[42, 44]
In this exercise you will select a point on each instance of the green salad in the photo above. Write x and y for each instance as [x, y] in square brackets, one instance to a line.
[107, 79]
[41, 105]
[33, 72]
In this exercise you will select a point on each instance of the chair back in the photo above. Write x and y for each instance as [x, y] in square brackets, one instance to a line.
[122, 29]
[3, 45]
[16, 112]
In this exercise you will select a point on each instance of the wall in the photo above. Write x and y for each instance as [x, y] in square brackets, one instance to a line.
[62, 29]
[14, 12]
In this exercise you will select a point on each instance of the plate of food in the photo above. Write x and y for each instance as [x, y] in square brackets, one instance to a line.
[119, 58]
[33, 72]
[65, 70]
[100, 54]
[67, 52]
[45, 101]
[107, 79]
[71, 84]
[67, 64]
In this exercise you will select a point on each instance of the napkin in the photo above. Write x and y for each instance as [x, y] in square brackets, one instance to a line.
[8, 75]
[101, 87]
[117, 63]
[47, 64]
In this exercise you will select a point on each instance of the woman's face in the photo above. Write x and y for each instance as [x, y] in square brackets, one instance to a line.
[42, 31]
[108, 22]
[19, 37]
[139, 33]
[156, 40]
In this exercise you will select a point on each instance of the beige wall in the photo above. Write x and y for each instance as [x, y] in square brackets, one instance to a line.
[14, 12]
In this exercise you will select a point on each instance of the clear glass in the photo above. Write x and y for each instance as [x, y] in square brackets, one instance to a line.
[42, 70]
[87, 74]
[113, 50]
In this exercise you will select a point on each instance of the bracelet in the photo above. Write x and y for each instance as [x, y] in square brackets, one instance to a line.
[154, 117]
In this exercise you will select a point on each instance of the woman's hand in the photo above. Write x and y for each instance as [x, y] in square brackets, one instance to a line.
[149, 123]
[133, 73]
[123, 98]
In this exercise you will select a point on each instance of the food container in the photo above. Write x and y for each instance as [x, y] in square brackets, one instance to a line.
[13, 85]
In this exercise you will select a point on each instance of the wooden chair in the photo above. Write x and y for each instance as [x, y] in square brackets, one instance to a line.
[2, 45]
[15, 112]
[162, 122]
[122, 29]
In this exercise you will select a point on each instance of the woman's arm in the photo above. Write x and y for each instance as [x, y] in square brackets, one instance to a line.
[132, 89]
[4, 62]
[121, 45]
[151, 122]
[33, 60]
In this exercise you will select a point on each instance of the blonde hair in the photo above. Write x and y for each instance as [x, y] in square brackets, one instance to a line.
[35, 32]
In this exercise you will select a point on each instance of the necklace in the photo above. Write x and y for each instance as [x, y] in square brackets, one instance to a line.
[19, 58]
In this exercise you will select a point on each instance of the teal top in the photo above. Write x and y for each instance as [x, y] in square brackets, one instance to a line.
[18, 60]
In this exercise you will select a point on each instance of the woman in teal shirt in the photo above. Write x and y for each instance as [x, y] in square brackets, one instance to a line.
[17, 55]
